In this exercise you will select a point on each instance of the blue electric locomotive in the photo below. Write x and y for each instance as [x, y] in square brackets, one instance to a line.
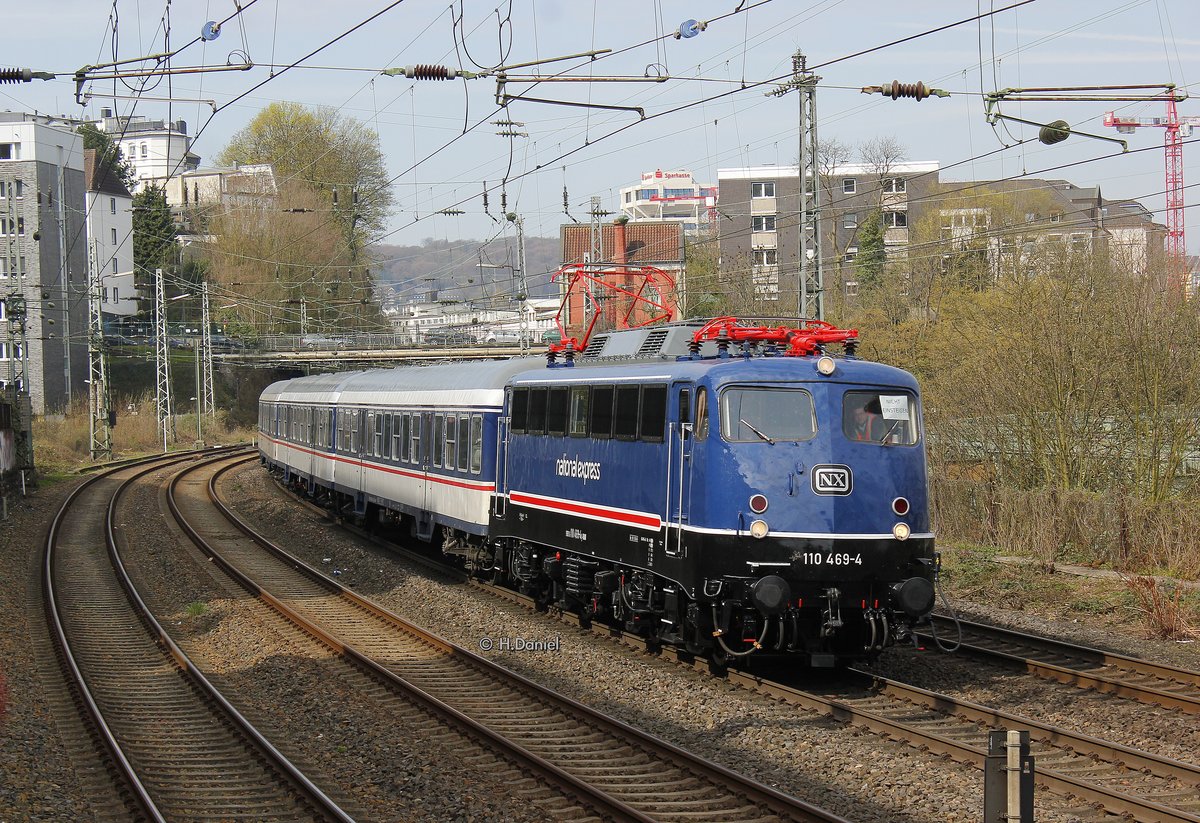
[730, 493]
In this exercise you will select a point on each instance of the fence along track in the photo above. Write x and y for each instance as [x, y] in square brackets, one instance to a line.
[605, 761]
[183, 751]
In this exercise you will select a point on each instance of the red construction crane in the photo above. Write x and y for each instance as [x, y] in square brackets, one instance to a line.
[1177, 128]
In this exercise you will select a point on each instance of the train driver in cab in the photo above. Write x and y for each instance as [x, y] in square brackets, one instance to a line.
[864, 421]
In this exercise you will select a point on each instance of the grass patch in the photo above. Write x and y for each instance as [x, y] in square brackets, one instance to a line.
[62, 444]
[196, 608]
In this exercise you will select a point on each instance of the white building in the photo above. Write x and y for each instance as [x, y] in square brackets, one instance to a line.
[110, 238]
[237, 186]
[155, 149]
[673, 196]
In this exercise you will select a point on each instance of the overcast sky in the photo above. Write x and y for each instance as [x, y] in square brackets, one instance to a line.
[420, 124]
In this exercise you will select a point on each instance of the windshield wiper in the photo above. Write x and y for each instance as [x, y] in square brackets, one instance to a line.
[756, 431]
[888, 433]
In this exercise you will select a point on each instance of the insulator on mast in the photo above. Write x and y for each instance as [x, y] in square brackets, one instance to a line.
[429, 71]
[895, 90]
[1054, 132]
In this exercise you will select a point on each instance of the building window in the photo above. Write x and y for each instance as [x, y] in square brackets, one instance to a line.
[851, 253]
[849, 185]
[850, 220]
[112, 205]
[1056, 217]
[762, 222]
[114, 265]
[766, 257]
[144, 154]
[114, 237]
[895, 185]
[766, 189]
[646, 194]
[895, 219]
[679, 193]
[10, 151]
[851, 288]
[20, 188]
[114, 293]
[628, 195]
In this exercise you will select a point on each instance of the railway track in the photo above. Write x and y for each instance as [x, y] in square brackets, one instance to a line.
[1074, 665]
[1101, 777]
[612, 768]
[176, 747]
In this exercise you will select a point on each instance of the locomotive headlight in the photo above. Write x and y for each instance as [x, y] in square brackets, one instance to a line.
[901, 531]
[826, 366]
[758, 529]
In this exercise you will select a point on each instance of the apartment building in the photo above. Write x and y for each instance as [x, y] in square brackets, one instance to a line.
[110, 239]
[759, 208]
[43, 259]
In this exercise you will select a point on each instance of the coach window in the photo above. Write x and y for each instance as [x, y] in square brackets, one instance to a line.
[556, 411]
[464, 441]
[519, 410]
[767, 415]
[439, 434]
[476, 443]
[701, 428]
[580, 395]
[378, 439]
[451, 441]
[387, 436]
[537, 412]
[625, 416]
[357, 430]
[654, 413]
[398, 443]
[601, 423]
[414, 429]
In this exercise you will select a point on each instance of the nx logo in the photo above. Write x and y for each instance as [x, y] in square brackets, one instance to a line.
[832, 480]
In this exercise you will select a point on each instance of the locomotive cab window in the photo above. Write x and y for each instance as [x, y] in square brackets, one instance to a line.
[887, 417]
[536, 423]
[767, 415]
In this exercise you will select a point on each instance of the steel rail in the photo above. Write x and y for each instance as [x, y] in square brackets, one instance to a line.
[755, 793]
[1082, 677]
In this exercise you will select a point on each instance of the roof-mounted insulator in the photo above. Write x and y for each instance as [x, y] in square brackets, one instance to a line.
[428, 71]
[895, 90]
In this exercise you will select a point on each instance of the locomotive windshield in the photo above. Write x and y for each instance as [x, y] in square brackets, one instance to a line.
[753, 414]
[880, 417]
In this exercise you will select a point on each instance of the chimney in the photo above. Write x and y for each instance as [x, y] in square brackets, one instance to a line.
[181, 126]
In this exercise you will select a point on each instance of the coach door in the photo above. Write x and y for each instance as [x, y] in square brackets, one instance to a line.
[679, 465]
[500, 495]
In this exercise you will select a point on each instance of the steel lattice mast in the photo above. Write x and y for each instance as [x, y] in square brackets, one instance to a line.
[101, 434]
[166, 423]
